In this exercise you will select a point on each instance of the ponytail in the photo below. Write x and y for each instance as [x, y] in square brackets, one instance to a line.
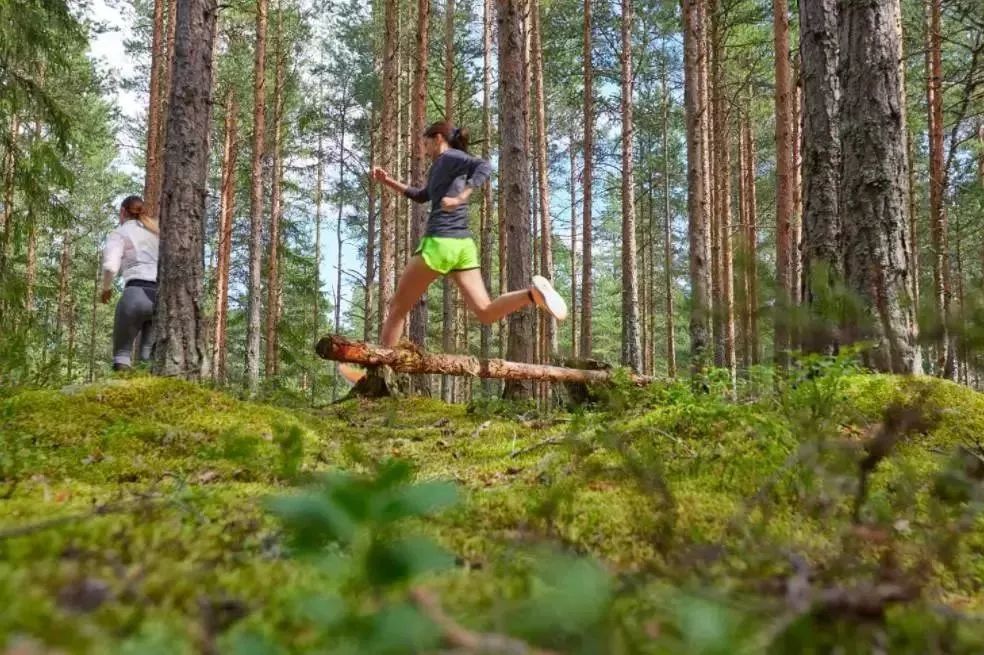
[456, 137]
[135, 209]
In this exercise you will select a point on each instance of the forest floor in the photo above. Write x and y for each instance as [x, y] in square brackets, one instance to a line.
[135, 517]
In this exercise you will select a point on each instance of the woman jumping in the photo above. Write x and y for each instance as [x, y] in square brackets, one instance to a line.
[447, 247]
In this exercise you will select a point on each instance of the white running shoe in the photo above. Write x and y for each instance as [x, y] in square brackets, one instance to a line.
[547, 297]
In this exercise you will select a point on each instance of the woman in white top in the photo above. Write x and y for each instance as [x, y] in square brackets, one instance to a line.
[131, 251]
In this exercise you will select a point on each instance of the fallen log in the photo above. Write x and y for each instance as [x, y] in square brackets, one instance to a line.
[406, 359]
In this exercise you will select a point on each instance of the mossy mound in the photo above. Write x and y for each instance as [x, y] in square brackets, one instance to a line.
[160, 541]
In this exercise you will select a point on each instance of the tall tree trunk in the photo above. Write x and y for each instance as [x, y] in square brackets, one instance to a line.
[937, 187]
[9, 171]
[387, 230]
[418, 315]
[873, 183]
[316, 308]
[31, 269]
[370, 275]
[796, 220]
[548, 325]
[587, 285]
[631, 345]
[64, 275]
[751, 238]
[256, 202]
[228, 190]
[742, 290]
[515, 181]
[486, 216]
[573, 192]
[448, 383]
[709, 93]
[784, 179]
[722, 181]
[668, 223]
[913, 221]
[157, 64]
[276, 208]
[822, 263]
[93, 316]
[694, 51]
[179, 317]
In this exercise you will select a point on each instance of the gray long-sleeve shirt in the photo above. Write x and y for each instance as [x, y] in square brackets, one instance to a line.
[449, 175]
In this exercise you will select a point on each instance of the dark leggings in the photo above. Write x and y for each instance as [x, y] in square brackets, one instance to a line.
[134, 313]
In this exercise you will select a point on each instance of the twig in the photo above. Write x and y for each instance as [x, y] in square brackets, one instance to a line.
[552, 441]
[99, 510]
[460, 637]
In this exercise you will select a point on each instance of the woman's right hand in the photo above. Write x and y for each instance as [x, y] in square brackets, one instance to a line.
[379, 174]
[106, 295]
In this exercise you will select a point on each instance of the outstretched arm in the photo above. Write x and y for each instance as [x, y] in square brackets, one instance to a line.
[414, 193]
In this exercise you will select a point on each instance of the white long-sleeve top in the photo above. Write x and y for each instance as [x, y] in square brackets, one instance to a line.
[132, 250]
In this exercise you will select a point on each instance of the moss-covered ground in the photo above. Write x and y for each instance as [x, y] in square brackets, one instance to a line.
[132, 515]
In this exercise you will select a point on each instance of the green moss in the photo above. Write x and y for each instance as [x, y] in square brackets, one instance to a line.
[204, 461]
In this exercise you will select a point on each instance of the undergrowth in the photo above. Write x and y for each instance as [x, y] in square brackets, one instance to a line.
[831, 510]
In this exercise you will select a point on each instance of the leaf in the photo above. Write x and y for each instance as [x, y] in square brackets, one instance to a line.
[418, 500]
[312, 520]
[392, 562]
[570, 596]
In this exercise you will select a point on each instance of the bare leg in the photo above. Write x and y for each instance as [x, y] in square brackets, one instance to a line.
[413, 283]
[477, 297]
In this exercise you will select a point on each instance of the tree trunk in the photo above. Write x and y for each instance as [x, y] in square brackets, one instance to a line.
[368, 321]
[700, 274]
[448, 290]
[157, 62]
[752, 238]
[179, 315]
[573, 313]
[587, 285]
[722, 180]
[668, 225]
[387, 231]
[9, 171]
[873, 183]
[229, 155]
[515, 181]
[96, 280]
[742, 288]
[319, 174]
[631, 345]
[937, 186]
[64, 275]
[796, 220]
[256, 202]
[276, 209]
[418, 315]
[339, 223]
[486, 216]
[784, 180]
[822, 263]
[406, 360]
[548, 324]
[913, 222]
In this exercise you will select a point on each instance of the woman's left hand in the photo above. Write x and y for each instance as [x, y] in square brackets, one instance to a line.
[449, 203]
[106, 295]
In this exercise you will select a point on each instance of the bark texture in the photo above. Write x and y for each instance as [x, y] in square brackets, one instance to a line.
[699, 240]
[874, 184]
[406, 360]
[822, 266]
[515, 183]
[226, 213]
[179, 318]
